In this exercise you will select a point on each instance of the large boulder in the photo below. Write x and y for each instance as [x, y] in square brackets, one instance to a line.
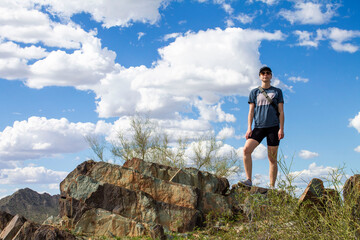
[313, 194]
[136, 205]
[139, 198]
[163, 191]
[205, 181]
[351, 193]
[351, 190]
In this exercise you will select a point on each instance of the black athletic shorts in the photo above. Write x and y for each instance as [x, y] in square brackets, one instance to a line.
[271, 134]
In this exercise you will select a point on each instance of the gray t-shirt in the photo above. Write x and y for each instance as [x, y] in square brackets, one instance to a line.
[264, 113]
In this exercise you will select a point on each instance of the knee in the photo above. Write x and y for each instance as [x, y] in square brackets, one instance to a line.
[247, 151]
[272, 159]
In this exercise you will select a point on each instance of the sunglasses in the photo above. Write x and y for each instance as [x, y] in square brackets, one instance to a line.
[263, 73]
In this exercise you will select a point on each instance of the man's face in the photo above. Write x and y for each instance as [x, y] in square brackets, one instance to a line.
[265, 76]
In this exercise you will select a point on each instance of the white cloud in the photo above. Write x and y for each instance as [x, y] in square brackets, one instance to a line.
[140, 35]
[54, 186]
[109, 12]
[13, 50]
[226, 132]
[304, 177]
[82, 68]
[268, 2]
[309, 13]
[298, 79]
[39, 137]
[171, 36]
[208, 65]
[189, 129]
[84, 62]
[355, 122]
[244, 18]
[305, 154]
[357, 149]
[213, 112]
[338, 39]
[29, 25]
[306, 39]
[31, 175]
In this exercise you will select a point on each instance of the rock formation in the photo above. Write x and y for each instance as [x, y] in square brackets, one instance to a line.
[19, 228]
[139, 198]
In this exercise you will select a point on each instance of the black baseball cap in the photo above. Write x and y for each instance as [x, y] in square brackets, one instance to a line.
[265, 68]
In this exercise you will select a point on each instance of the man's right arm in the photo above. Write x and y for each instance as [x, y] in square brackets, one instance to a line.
[250, 120]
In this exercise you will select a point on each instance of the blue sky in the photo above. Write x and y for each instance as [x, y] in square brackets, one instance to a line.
[69, 69]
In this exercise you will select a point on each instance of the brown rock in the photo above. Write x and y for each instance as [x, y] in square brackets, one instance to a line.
[27, 231]
[352, 188]
[12, 228]
[205, 181]
[216, 204]
[314, 193]
[135, 205]
[5, 218]
[99, 222]
[351, 193]
[157, 232]
[151, 169]
[46, 232]
[162, 191]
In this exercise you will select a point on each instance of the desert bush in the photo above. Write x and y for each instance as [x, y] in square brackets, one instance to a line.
[145, 140]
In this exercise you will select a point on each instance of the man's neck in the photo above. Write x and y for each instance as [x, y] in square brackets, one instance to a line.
[265, 85]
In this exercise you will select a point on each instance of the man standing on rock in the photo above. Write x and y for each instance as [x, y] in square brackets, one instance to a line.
[266, 108]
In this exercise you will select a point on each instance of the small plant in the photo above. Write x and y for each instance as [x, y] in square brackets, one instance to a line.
[145, 140]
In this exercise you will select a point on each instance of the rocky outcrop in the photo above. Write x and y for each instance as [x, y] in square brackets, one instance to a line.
[19, 228]
[139, 198]
[30, 204]
[189, 176]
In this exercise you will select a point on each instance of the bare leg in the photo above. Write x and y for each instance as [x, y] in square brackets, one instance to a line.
[273, 169]
[249, 147]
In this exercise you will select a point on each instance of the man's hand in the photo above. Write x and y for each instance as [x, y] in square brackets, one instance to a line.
[248, 133]
[281, 134]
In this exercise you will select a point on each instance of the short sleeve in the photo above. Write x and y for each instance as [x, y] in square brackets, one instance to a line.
[251, 97]
[281, 98]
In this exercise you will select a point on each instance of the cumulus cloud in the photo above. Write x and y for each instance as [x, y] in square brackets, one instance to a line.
[314, 171]
[305, 154]
[83, 61]
[355, 122]
[31, 175]
[338, 39]
[40, 137]
[298, 79]
[206, 65]
[110, 12]
[82, 68]
[226, 132]
[175, 129]
[309, 13]
[22, 23]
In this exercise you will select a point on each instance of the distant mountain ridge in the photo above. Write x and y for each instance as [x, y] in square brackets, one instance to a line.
[31, 204]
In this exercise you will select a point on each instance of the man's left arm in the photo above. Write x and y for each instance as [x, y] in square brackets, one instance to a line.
[282, 119]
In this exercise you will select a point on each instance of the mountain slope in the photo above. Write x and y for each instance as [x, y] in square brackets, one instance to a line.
[30, 204]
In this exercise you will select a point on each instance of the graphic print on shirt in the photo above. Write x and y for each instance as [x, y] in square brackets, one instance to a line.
[261, 99]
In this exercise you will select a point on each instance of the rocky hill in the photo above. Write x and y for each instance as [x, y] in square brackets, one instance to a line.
[30, 204]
